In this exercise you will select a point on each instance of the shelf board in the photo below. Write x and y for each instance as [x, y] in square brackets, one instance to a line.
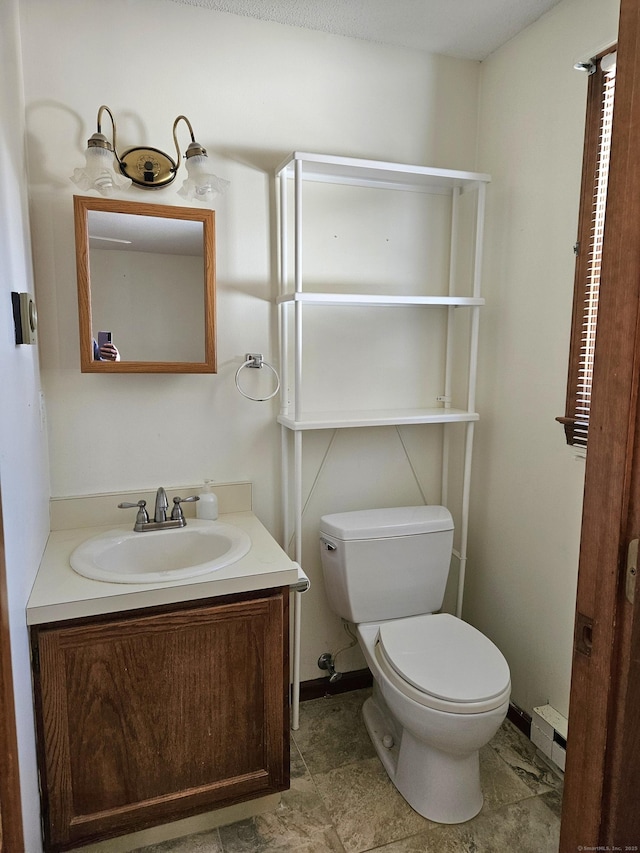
[352, 170]
[378, 299]
[376, 417]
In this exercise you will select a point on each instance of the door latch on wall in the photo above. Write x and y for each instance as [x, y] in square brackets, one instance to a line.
[632, 569]
[583, 640]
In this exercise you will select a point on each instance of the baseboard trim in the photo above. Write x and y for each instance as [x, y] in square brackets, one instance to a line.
[520, 719]
[361, 678]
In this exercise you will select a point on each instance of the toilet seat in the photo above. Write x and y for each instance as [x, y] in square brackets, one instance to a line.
[443, 663]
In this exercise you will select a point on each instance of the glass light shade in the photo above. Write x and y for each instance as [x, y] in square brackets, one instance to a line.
[99, 173]
[201, 184]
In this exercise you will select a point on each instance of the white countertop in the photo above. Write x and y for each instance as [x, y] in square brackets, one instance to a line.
[60, 593]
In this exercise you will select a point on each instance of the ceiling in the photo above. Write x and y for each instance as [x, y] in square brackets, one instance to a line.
[156, 234]
[466, 29]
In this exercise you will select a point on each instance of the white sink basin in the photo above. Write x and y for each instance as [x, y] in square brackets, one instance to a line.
[122, 556]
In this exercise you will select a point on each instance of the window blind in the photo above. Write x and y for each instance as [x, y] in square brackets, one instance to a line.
[589, 251]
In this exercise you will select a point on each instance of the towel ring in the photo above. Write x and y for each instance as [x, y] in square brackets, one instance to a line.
[255, 360]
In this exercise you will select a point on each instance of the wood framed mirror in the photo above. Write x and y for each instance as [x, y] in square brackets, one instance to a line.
[146, 279]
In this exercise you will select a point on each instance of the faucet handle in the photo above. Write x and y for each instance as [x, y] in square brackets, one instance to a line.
[176, 512]
[143, 516]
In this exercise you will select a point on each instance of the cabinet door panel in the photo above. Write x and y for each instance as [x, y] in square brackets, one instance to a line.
[154, 717]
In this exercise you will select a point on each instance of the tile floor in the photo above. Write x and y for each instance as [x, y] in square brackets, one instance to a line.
[341, 799]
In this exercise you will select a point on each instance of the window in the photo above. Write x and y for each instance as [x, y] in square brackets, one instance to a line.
[588, 248]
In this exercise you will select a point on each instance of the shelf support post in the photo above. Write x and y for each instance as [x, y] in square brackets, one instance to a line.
[464, 526]
[297, 623]
[446, 439]
[283, 314]
[298, 287]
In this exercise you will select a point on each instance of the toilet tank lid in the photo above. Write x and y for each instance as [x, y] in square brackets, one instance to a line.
[383, 523]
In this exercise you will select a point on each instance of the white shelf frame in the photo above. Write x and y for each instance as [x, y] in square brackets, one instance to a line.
[374, 299]
[376, 173]
[300, 167]
[376, 417]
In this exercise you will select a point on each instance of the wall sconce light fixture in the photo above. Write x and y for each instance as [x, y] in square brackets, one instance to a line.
[106, 171]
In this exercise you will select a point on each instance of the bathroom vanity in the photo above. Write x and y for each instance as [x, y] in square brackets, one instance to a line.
[155, 702]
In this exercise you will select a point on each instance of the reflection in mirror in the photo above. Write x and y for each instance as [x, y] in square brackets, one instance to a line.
[146, 276]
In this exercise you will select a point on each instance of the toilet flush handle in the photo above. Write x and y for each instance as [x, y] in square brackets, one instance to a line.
[327, 544]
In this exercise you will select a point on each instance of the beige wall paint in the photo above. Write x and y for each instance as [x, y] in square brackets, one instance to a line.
[254, 91]
[151, 302]
[24, 466]
[260, 90]
[527, 485]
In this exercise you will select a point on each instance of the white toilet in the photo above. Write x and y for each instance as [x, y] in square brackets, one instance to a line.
[441, 688]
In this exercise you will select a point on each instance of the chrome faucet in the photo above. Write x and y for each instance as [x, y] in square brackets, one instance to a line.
[160, 520]
[162, 504]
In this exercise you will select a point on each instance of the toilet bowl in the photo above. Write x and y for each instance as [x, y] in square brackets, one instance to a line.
[441, 688]
[437, 728]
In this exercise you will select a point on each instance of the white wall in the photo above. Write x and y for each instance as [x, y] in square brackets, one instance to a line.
[527, 485]
[151, 302]
[23, 452]
[254, 91]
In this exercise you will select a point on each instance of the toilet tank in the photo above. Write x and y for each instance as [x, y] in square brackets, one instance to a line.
[386, 563]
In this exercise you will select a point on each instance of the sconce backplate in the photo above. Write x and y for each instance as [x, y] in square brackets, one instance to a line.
[148, 167]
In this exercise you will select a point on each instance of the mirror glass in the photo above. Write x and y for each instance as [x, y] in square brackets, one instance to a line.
[146, 285]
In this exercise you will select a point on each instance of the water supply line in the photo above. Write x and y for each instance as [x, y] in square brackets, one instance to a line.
[326, 661]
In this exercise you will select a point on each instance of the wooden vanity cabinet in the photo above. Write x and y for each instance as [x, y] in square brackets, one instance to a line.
[154, 715]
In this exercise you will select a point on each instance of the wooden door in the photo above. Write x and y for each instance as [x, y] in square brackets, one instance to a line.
[11, 835]
[602, 784]
[145, 719]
